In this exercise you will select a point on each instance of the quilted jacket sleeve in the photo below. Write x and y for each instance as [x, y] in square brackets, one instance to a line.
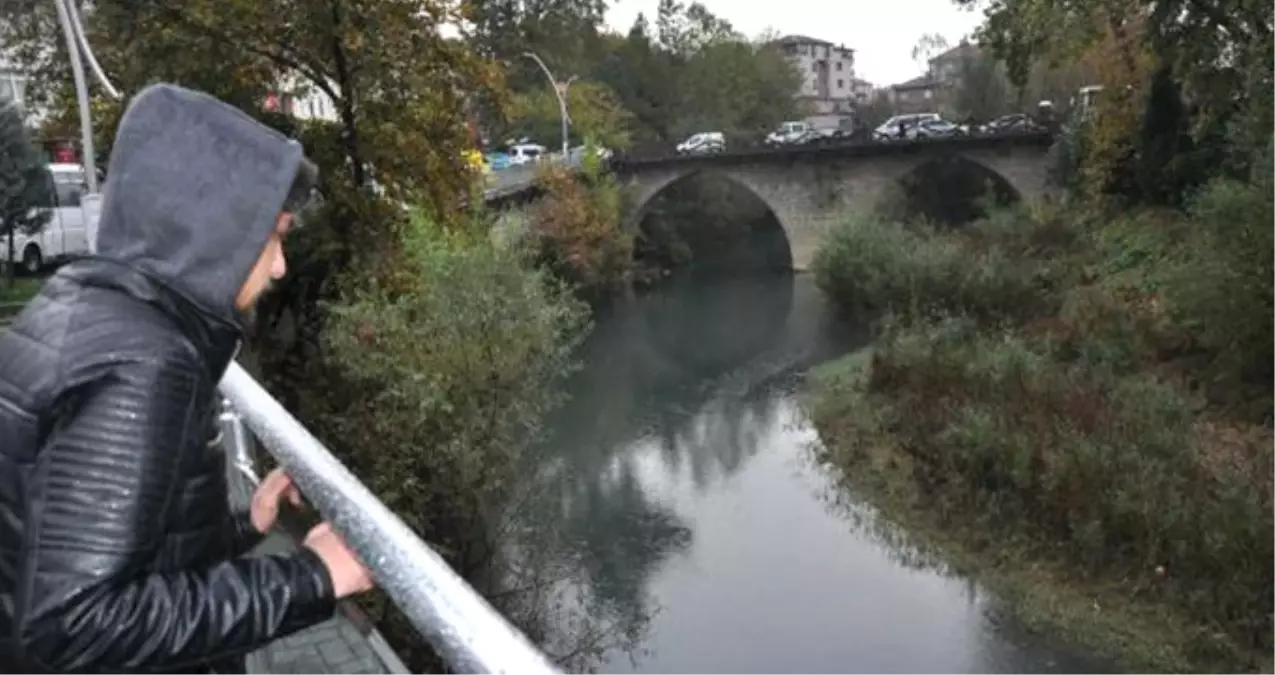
[96, 514]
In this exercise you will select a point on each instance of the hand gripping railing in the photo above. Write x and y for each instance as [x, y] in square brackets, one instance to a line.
[464, 629]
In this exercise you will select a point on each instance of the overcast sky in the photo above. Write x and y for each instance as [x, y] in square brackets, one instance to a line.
[881, 32]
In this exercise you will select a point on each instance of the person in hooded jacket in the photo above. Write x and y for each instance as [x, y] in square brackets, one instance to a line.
[118, 551]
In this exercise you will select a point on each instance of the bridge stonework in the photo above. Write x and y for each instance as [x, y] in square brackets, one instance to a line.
[811, 191]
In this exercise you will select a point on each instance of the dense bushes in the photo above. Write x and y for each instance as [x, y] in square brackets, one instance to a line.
[870, 264]
[577, 231]
[1222, 290]
[1073, 387]
[439, 377]
[1115, 473]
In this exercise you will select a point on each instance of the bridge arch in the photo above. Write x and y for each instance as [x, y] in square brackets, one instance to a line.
[645, 194]
[949, 188]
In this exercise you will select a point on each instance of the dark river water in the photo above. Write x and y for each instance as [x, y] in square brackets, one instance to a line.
[700, 528]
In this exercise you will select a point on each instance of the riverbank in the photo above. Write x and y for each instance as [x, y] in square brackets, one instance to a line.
[1076, 409]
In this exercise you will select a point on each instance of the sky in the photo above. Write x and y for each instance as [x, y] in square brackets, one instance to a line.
[882, 32]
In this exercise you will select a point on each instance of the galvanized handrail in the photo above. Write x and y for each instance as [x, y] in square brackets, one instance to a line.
[465, 630]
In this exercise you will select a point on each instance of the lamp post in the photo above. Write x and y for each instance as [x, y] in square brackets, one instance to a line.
[559, 90]
[82, 97]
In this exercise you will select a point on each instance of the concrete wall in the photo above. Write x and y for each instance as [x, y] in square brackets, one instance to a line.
[810, 194]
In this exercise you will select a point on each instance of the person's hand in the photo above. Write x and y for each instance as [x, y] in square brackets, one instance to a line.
[349, 576]
[265, 501]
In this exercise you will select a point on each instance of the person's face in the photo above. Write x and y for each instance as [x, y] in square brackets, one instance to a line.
[270, 265]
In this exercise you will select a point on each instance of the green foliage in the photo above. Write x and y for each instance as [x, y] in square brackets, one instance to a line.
[593, 112]
[437, 382]
[1116, 474]
[24, 183]
[1164, 142]
[695, 73]
[577, 231]
[982, 91]
[870, 264]
[741, 89]
[1222, 290]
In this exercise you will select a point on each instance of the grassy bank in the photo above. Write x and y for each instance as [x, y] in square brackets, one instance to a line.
[14, 297]
[1076, 408]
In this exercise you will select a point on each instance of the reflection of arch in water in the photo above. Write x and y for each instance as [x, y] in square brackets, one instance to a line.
[697, 203]
[952, 189]
[705, 326]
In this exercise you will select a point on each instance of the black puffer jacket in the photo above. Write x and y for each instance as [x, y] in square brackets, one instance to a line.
[117, 550]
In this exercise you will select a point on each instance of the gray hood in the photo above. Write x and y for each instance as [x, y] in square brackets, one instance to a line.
[194, 188]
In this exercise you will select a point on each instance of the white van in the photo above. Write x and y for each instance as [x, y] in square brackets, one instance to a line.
[65, 234]
[907, 124]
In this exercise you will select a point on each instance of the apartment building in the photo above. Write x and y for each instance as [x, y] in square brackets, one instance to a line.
[13, 85]
[828, 81]
[944, 72]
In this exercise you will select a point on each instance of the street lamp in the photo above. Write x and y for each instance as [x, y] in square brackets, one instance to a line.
[559, 90]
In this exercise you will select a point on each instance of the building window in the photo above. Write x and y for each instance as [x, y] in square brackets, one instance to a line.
[841, 84]
[929, 94]
[11, 88]
[838, 66]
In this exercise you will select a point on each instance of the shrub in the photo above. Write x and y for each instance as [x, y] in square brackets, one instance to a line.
[1116, 473]
[576, 229]
[872, 265]
[438, 379]
[1222, 290]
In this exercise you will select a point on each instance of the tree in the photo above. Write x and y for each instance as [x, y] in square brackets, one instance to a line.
[739, 88]
[594, 112]
[875, 111]
[642, 76]
[684, 30]
[697, 73]
[565, 33]
[927, 47]
[982, 91]
[24, 183]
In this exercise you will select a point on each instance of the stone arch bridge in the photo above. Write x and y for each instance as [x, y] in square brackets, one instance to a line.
[810, 189]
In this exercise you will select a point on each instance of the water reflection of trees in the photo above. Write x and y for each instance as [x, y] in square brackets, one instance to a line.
[666, 385]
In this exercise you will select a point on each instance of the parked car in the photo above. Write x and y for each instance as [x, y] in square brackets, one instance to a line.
[64, 234]
[702, 143]
[902, 127]
[1016, 123]
[497, 160]
[789, 132]
[934, 128]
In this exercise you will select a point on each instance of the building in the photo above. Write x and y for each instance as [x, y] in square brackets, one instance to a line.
[917, 95]
[946, 68]
[925, 93]
[13, 84]
[300, 98]
[861, 90]
[827, 73]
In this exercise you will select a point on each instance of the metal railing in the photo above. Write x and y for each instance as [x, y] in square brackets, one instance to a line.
[466, 631]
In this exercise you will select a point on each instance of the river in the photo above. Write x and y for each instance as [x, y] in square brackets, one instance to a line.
[702, 528]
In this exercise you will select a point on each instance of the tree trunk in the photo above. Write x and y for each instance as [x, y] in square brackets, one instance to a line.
[11, 265]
